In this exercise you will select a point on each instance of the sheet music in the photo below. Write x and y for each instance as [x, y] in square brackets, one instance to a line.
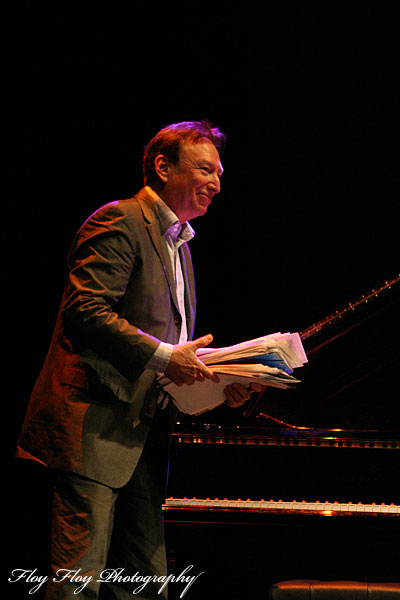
[248, 363]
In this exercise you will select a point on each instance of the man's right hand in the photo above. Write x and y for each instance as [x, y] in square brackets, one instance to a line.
[184, 367]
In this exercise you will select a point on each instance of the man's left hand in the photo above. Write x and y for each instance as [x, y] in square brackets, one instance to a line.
[237, 394]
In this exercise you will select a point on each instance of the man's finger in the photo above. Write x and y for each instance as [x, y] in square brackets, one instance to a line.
[205, 340]
[202, 342]
[257, 387]
[208, 373]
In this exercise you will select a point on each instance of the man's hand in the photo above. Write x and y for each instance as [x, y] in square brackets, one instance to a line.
[184, 367]
[237, 394]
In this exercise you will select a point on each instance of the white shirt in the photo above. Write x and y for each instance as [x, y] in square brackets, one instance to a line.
[175, 235]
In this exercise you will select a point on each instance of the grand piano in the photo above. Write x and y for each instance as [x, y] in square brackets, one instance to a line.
[301, 483]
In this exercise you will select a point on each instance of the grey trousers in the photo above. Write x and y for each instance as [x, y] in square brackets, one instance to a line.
[108, 543]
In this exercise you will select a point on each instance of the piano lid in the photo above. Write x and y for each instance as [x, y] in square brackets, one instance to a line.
[351, 379]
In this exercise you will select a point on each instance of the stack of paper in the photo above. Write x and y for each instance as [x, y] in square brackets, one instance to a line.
[268, 360]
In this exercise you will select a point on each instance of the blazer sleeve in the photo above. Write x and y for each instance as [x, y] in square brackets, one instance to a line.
[101, 264]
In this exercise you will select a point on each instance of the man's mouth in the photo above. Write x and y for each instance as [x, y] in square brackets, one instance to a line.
[204, 198]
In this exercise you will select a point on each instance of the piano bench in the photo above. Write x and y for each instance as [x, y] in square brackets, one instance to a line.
[333, 590]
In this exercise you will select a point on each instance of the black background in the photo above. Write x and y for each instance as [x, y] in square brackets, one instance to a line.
[308, 96]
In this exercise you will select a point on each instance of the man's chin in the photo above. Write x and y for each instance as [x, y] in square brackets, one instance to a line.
[201, 210]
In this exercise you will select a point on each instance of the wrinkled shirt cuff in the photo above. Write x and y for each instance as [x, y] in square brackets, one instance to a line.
[159, 361]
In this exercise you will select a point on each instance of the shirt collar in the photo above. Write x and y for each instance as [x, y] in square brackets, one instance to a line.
[169, 221]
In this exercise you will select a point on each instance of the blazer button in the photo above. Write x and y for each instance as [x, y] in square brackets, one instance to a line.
[150, 412]
[178, 319]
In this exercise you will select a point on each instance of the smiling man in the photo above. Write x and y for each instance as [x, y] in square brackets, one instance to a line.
[96, 416]
[189, 186]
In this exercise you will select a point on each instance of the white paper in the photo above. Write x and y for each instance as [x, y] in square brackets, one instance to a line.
[201, 396]
[206, 395]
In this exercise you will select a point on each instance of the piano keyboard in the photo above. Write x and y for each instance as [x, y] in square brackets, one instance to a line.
[334, 439]
[282, 506]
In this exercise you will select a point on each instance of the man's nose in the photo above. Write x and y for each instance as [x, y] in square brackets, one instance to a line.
[215, 183]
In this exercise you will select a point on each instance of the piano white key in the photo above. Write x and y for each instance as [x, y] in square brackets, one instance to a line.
[287, 506]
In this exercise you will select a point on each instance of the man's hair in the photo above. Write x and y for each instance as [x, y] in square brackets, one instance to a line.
[169, 139]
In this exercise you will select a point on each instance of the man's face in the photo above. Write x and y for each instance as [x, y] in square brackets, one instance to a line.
[193, 181]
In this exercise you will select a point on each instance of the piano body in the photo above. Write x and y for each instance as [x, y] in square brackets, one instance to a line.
[300, 483]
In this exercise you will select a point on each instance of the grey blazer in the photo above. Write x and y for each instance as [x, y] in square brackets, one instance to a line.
[93, 403]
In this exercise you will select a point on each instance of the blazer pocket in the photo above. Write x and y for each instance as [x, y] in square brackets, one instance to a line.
[75, 377]
[83, 378]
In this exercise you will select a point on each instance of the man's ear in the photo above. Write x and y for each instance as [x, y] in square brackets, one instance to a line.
[161, 166]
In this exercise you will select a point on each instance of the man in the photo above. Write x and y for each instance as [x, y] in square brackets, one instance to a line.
[96, 415]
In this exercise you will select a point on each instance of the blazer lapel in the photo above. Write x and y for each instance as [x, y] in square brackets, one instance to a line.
[159, 243]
